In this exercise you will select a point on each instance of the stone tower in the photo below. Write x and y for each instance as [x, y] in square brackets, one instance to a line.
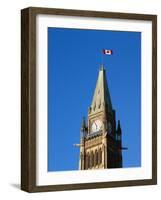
[100, 142]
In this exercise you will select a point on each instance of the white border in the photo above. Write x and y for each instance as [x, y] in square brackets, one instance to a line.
[69, 177]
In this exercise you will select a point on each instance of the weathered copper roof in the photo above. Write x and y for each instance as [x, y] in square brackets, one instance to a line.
[101, 97]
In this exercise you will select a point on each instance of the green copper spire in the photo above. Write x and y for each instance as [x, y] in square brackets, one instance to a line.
[101, 97]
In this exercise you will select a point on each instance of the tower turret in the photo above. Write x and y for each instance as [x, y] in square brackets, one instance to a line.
[83, 127]
[119, 131]
[119, 144]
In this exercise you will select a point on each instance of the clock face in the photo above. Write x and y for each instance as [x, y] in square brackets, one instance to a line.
[109, 126]
[96, 126]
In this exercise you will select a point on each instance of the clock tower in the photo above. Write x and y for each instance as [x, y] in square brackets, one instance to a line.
[100, 142]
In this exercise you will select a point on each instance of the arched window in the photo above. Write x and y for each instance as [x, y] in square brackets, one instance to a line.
[92, 159]
[81, 161]
[99, 105]
[96, 158]
[87, 160]
[99, 156]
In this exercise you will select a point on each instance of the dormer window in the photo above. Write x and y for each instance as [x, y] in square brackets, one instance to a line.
[99, 106]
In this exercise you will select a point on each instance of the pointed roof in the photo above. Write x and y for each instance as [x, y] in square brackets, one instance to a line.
[83, 126]
[101, 97]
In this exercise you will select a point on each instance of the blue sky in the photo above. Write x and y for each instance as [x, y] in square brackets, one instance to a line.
[74, 59]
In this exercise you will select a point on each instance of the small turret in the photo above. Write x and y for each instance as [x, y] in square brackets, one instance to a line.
[119, 131]
[83, 127]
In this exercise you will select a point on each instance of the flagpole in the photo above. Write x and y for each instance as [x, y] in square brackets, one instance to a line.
[102, 58]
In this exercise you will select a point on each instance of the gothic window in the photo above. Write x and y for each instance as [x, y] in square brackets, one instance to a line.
[81, 156]
[96, 158]
[87, 161]
[99, 156]
[99, 106]
[92, 159]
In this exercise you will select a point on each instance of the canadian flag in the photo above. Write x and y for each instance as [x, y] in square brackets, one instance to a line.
[107, 51]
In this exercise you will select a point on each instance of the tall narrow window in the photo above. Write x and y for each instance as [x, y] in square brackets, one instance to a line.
[87, 160]
[100, 156]
[81, 161]
[99, 105]
[92, 159]
[96, 157]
